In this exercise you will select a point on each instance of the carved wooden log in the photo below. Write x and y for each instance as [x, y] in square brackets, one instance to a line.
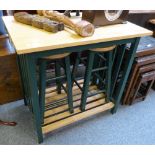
[83, 28]
[39, 21]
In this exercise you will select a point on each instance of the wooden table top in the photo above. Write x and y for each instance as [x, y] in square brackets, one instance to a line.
[28, 39]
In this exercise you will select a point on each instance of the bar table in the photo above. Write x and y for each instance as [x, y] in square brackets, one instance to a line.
[31, 44]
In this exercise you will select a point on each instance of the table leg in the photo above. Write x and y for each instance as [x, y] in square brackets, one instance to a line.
[116, 69]
[42, 87]
[108, 75]
[20, 66]
[33, 88]
[125, 74]
[26, 82]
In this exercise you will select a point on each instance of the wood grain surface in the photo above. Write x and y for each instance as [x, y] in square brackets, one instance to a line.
[27, 39]
[10, 86]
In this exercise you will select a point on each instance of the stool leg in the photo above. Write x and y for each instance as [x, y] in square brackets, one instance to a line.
[95, 65]
[101, 73]
[75, 67]
[42, 87]
[108, 75]
[69, 84]
[87, 77]
[57, 74]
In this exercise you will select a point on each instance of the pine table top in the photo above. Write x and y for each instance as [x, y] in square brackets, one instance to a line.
[27, 39]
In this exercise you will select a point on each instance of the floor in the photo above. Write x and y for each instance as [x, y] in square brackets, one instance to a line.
[130, 125]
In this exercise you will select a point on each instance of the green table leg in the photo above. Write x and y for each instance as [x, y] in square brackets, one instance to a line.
[42, 87]
[87, 77]
[108, 75]
[31, 72]
[116, 68]
[25, 80]
[126, 71]
[22, 79]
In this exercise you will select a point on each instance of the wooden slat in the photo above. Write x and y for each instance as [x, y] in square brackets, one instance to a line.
[28, 39]
[56, 96]
[61, 108]
[75, 118]
[100, 98]
[54, 93]
[51, 89]
[65, 107]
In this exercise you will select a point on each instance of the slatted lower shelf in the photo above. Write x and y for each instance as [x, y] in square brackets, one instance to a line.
[58, 116]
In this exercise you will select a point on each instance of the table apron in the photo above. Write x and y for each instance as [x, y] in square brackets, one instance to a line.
[79, 48]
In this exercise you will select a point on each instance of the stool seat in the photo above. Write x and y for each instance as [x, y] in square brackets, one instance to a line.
[104, 49]
[57, 56]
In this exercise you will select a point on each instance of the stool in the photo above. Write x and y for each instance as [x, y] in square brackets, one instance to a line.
[91, 67]
[42, 79]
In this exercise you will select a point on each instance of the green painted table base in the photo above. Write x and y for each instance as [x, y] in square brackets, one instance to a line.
[28, 62]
